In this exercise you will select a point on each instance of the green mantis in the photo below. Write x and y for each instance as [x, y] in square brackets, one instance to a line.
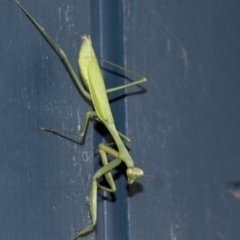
[93, 88]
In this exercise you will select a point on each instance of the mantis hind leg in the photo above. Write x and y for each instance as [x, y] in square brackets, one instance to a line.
[105, 170]
[59, 51]
[81, 134]
[141, 80]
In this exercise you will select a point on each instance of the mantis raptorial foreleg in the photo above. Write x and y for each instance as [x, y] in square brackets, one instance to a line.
[105, 170]
[97, 93]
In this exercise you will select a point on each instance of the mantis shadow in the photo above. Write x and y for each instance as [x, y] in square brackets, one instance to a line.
[233, 188]
[134, 189]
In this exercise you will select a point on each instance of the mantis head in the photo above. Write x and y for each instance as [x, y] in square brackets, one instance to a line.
[134, 173]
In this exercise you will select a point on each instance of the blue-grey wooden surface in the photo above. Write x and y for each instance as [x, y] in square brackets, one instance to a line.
[184, 127]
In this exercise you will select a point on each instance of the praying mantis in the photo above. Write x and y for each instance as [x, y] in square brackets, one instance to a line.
[93, 89]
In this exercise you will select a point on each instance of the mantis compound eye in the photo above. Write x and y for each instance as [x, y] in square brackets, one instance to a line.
[134, 173]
